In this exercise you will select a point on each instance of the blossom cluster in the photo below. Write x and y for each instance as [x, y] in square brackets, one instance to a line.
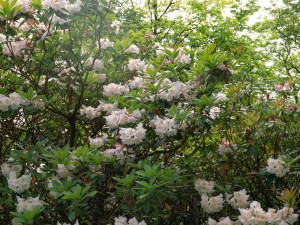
[239, 199]
[61, 5]
[164, 126]
[204, 186]
[121, 220]
[256, 215]
[277, 167]
[173, 90]
[28, 204]
[122, 117]
[132, 136]
[14, 101]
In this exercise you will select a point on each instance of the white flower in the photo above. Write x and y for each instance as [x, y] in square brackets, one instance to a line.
[8, 168]
[223, 221]
[89, 112]
[166, 126]
[2, 38]
[96, 64]
[171, 90]
[239, 199]
[204, 187]
[256, 215]
[62, 171]
[182, 57]
[105, 43]
[114, 89]
[98, 141]
[76, 223]
[28, 204]
[14, 48]
[220, 97]
[123, 221]
[214, 112]
[20, 184]
[122, 117]
[133, 49]
[131, 136]
[99, 77]
[136, 64]
[212, 204]
[58, 5]
[277, 167]
[107, 107]
[136, 83]
[117, 151]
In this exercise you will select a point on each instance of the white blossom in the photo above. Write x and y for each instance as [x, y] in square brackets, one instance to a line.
[107, 107]
[136, 64]
[133, 49]
[204, 187]
[113, 89]
[89, 112]
[164, 126]
[277, 167]
[212, 204]
[28, 204]
[7, 168]
[96, 64]
[214, 112]
[105, 43]
[20, 184]
[239, 199]
[98, 141]
[132, 136]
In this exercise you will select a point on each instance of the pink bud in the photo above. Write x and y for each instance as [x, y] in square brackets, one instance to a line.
[278, 87]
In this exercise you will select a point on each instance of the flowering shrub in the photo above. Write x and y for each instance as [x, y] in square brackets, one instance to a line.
[99, 130]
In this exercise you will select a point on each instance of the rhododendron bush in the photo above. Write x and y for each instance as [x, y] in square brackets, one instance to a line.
[103, 125]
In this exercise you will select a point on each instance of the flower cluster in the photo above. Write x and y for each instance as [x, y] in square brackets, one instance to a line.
[7, 168]
[212, 204]
[133, 49]
[28, 204]
[61, 5]
[76, 223]
[98, 141]
[204, 187]
[121, 220]
[277, 167]
[256, 215]
[239, 199]
[89, 112]
[173, 90]
[15, 48]
[107, 107]
[14, 101]
[214, 112]
[222, 221]
[18, 184]
[122, 117]
[105, 43]
[164, 126]
[113, 89]
[136, 65]
[95, 64]
[131, 136]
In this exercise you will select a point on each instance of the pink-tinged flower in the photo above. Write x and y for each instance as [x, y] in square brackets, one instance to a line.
[286, 86]
[278, 87]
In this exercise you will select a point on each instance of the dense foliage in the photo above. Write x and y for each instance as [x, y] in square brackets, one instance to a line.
[114, 113]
